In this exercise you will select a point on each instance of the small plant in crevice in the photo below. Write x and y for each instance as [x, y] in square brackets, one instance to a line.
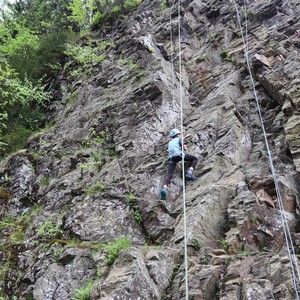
[247, 252]
[224, 244]
[46, 180]
[136, 210]
[204, 260]
[83, 293]
[113, 249]
[195, 243]
[164, 4]
[247, 14]
[5, 194]
[49, 230]
[226, 56]
[97, 187]
[213, 36]
[14, 229]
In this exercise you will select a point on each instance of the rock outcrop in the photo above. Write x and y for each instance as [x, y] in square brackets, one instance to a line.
[91, 182]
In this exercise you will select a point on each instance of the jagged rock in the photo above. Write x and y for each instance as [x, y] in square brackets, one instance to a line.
[61, 279]
[108, 145]
[22, 174]
[135, 276]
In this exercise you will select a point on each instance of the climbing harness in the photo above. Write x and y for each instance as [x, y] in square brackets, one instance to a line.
[287, 233]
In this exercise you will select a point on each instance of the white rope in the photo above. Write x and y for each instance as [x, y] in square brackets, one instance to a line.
[171, 41]
[287, 234]
[182, 155]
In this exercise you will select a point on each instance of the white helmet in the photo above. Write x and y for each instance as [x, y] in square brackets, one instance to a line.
[174, 132]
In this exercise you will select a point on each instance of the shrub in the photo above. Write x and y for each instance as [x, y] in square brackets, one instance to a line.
[114, 248]
[84, 293]
[48, 230]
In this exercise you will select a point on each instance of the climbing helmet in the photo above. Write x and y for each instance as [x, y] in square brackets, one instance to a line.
[174, 132]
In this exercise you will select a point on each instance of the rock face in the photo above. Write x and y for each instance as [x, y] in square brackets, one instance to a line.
[92, 181]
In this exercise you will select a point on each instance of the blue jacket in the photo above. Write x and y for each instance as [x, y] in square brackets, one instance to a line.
[174, 147]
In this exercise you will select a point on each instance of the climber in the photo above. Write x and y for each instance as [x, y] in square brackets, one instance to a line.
[175, 155]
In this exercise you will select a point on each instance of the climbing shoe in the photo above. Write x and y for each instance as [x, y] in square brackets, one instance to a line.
[189, 176]
[163, 194]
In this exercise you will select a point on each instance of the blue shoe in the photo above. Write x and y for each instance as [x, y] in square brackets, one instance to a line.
[163, 194]
[189, 176]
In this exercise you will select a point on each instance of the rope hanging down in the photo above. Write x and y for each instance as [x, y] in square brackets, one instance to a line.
[182, 155]
[287, 233]
[182, 130]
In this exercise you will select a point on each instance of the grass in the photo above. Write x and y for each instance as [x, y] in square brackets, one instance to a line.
[84, 293]
[114, 248]
[97, 187]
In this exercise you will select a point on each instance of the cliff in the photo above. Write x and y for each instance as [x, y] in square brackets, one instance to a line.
[80, 208]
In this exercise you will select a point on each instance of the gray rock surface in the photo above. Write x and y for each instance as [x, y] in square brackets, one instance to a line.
[94, 178]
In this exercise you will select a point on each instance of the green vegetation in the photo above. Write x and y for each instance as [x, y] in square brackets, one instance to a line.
[195, 242]
[4, 194]
[136, 210]
[84, 55]
[247, 252]
[164, 4]
[48, 230]
[97, 187]
[110, 9]
[94, 138]
[36, 36]
[84, 293]
[46, 180]
[224, 244]
[204, 260]
[114, 248]
[226, 56]
[131, 64]
[14, 228]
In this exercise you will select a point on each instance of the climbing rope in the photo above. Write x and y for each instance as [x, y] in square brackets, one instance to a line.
[182, 155]
[287, 233]
[171, 41]
[181, 129]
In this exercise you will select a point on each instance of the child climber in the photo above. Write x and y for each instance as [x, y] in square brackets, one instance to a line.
[175, 147]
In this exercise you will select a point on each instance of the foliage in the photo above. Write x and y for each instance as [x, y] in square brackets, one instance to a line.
[109, 9]
[225, 55]
[84, 55]
[14, 228]
[98, 186]
[21, 52]
[136, 210]
[247, 252]
[204, 260]
[195, 242]
[81, 12]
[164, 4]
[42, 16]
[84, 293]
[16, 138]
[4, 194]
[50, 53]
[48, 230]
[20, 106]
[45, 181]
[114, 248]
[224, 244]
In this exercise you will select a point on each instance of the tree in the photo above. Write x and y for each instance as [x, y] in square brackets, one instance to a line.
[42, 16]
